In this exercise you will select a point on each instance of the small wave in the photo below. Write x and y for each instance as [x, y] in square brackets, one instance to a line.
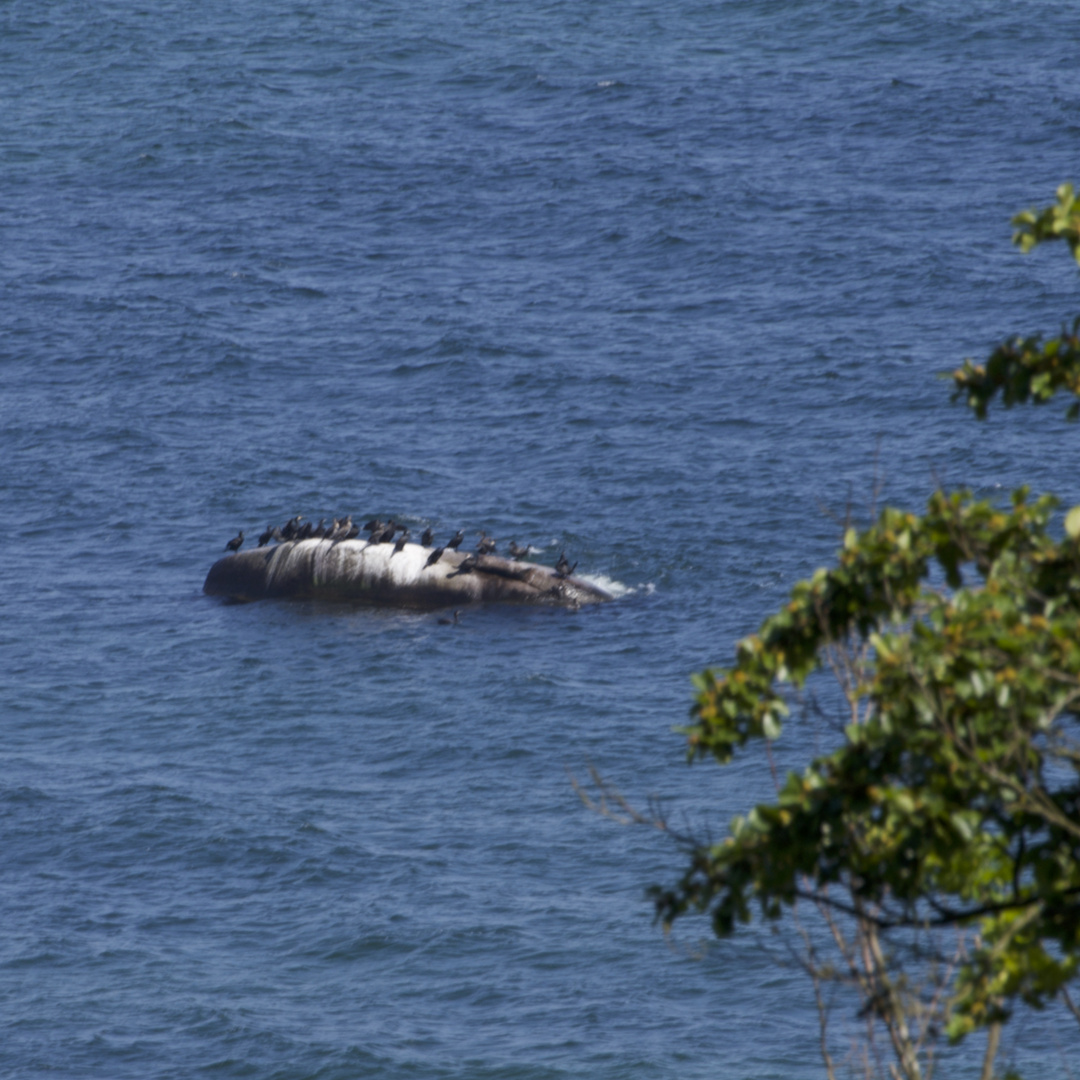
[616, 588]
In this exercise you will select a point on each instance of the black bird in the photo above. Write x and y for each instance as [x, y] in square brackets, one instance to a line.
[427, 538]
[291, 527]
[563, 567]
[454, 543]
[386, 534]
[434, 557]
[305, 532]
[374, 525]
[353, 532]
[467, 565]
[320, 529]
[342, 528]
[517, 552]
[402, 541]
[266, 536]
[486, 546]
[235, 542]
[450, 622]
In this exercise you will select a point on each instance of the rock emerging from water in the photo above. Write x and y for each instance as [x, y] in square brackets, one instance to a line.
[357, 570]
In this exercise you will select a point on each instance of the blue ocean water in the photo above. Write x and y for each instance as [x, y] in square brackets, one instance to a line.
[665, 287]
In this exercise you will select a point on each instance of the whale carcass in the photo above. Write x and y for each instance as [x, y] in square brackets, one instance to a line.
[358, 570]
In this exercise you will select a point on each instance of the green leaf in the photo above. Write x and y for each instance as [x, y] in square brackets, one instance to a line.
[1072, 523]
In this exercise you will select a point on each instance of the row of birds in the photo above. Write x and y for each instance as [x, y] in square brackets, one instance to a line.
[382, 532]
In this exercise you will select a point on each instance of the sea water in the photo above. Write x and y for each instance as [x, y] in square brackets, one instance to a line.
[665, 287]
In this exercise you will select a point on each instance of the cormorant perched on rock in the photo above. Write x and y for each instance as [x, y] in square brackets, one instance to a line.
[374, 525]
[341, 528]
[486, 546]
[450, 622]
[427, 538]
[305, 532]
[467, 565]
[235, 542]
[563, 567]
[517, 552]
[402, 541]
[434, 557]
[320, 530]
[455, 542]
[291, 527]
[267, 536]
[353, 531]
[386, 533]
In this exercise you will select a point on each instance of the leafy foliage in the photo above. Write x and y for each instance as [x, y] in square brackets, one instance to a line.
[1024, 369]
[951, 805]
[1061, 221]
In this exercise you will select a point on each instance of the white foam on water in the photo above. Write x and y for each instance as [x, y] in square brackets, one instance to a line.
[612, 587]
